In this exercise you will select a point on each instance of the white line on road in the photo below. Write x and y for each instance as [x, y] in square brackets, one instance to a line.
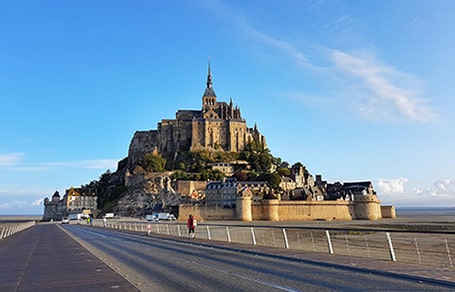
[266, 283]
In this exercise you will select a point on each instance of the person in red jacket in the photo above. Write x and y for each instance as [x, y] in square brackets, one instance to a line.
[191, 224]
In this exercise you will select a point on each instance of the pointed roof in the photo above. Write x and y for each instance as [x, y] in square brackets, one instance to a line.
[209, 90]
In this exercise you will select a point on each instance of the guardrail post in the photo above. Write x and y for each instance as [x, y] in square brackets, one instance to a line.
[391, 251]
[448, 253]
[167, 229]
[253, 237]
[329, 242]
[208, 232]
[368, 247]
[228, 235]
[347, 244]
[286, 243]
[417, 250]
[178, 230]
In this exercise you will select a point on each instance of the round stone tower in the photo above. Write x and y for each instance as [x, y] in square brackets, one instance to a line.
[367, 207]
[243, 205]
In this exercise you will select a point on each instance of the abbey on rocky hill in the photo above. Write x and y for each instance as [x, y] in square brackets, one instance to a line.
[217, 126]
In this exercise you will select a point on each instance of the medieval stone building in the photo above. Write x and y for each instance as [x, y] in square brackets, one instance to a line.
[217, 126]
[75, 200]
[54, 209]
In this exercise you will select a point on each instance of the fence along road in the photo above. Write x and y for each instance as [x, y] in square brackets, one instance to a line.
[8, 229]
[168, 263]
[433, 249]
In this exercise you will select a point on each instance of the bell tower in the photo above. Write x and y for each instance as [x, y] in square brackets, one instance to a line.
[209, 97]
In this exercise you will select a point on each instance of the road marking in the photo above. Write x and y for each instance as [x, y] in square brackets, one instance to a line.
[266, 283]
[94, 233]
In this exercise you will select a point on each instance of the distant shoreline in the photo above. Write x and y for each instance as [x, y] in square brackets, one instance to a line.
[19, 218]
[425, 209]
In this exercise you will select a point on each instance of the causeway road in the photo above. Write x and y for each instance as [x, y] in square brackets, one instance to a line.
[51, 257]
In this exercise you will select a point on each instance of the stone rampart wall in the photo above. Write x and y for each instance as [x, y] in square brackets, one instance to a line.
[388, 212]
[275, 210]
[302, 210]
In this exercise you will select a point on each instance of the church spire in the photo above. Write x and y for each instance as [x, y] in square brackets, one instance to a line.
[209, 92]
[209, 77]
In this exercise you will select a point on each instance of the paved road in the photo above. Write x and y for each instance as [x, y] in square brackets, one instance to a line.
[44, 258]
[163, 264]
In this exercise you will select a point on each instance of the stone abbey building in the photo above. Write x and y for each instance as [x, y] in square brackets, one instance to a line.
[217, 125]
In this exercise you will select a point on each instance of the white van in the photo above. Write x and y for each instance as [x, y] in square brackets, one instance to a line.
[166, 216]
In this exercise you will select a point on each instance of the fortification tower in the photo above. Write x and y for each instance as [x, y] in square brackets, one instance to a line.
[367, 207]
[243, 205]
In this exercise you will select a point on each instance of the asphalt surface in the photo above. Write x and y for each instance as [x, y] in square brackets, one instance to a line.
[398, 269]
[45, 258]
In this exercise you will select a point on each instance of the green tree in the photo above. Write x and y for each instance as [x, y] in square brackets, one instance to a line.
[215, 174]
[272, 178]
[284, 171]
[252, 175]
[179, 175]
[257, 156]
[153, 162]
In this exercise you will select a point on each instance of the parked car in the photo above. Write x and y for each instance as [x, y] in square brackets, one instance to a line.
[65, 220]
[166, 216]
[109, 215]
[151, 217]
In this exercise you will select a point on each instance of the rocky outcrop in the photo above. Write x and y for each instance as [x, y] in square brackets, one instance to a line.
[145, 191]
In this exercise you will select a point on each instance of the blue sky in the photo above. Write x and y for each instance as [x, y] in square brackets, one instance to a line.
[355, 90]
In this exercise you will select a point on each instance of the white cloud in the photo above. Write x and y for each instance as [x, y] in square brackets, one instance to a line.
[37, 203]
[442, 188]
[403, 192]
[392, 186]
[445, 186]
[10, 159]
[383, 92]
[378, 86]
[381, 85]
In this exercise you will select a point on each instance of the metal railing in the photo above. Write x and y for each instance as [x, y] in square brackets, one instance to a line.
[9, 229]
[434, 249]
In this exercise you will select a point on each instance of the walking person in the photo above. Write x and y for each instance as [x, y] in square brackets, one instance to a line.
[149, 229]
[104, 222]
[191, 224]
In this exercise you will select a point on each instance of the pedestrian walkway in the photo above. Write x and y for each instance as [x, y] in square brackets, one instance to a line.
[44, 258]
